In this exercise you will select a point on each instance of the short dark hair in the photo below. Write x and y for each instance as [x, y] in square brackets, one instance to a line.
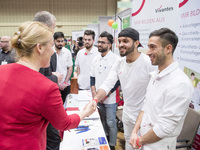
[131, 33]
[90, 32]
[108, 35]
[167, 36]
[192, 74]
[58, 35]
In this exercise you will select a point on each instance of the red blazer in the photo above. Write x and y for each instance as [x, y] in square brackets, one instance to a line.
[28, 100]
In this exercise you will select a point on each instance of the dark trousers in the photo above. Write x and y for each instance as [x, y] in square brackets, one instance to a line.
[53, 138]
[64, 93]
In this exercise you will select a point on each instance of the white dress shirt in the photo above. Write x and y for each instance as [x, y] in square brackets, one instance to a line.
[165, 107]
[83, 61]
[64, 60]
[100, 69]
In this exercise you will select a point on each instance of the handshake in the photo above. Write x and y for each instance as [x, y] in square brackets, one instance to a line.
[89, 109]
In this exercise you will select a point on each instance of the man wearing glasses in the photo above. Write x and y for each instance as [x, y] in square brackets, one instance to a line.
[6, 55]
[100, 68]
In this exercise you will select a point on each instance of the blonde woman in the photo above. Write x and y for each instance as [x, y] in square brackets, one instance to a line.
[28, 100]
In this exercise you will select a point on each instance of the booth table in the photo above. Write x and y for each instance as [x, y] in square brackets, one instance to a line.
[90, 134]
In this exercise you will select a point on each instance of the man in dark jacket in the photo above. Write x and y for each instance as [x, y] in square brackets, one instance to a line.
[53, 138]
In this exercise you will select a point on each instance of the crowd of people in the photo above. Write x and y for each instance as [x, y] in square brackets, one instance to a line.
[36, 68]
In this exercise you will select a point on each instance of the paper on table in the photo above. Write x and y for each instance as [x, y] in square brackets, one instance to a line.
[72, 101]
[84, 95]
[103, 147]
[86, 123]
[72, 112]
[95, 143]
[95, 115]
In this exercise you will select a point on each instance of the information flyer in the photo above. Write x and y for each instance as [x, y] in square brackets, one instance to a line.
[183, 17]
[188, 49]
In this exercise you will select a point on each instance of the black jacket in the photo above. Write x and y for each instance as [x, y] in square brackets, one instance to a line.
[52, 68]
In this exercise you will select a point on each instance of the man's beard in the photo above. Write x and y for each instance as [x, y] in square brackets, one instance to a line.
[59, 46]
[87, 46]
[128, 51]
[102, 50]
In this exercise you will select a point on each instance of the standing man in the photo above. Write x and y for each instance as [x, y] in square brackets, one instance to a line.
[100, 69]
[53, 138]
[133, 71]
[50, 72]
[64, 64]
[84, 59]
[7, 55]
[167, 99]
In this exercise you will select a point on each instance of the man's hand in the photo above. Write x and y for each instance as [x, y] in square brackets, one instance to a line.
[59, 76]
[90, 107]
[94, 94]
[62, 86]
[134, 141]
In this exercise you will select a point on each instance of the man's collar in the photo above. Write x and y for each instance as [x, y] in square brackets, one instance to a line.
[106, 56]
[56, 51]
[91, 51]
[167, 70]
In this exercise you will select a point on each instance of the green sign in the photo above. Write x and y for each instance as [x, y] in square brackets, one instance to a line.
[126, 22]
[124, 4]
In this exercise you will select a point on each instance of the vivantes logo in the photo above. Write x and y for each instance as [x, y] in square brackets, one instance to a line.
[160, 9]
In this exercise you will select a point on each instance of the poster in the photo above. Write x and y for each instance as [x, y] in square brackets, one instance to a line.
[126, 22]
[188, 49]
[183, 17]
[76, 34]
[188, 30]
[148, 16]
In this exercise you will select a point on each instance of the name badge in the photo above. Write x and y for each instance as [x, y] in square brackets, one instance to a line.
[4, 62]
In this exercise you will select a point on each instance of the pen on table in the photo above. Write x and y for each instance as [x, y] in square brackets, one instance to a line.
[83, 131]
[82, 126]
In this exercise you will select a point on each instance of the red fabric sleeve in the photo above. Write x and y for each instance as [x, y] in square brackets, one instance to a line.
[52, 109]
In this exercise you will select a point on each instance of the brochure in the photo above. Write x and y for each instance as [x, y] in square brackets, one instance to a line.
[94, 141]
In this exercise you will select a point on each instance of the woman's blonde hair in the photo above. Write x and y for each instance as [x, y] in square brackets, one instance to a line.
[28, 36]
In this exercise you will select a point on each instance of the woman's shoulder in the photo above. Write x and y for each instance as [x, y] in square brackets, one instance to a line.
[26, 75]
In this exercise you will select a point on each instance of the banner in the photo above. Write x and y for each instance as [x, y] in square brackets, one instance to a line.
[183, 17]
[148, 16]
[76, 34]
[188, 30]
[187, 52]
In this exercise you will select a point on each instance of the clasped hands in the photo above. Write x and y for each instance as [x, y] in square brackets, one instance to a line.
[90, 108]
[135, 141]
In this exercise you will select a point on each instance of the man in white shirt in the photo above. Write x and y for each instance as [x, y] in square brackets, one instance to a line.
[84, 59]
[133, 71]
[100, 69]
[64, 64]
[169, 93]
